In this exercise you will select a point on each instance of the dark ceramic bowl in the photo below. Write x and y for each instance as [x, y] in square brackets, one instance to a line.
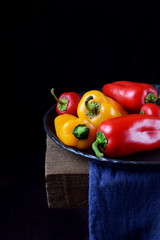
[142, 158]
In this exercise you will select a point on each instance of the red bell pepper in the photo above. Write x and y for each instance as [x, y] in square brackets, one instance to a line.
[150, 109]
[67, 102]
[126, 135]
[131, 95]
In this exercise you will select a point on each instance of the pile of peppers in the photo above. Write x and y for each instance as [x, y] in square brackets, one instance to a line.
[120, 120]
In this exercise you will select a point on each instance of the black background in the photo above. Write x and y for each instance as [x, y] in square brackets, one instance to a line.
[71, 46]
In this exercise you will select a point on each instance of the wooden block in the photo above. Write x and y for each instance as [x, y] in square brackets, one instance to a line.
[67, 177]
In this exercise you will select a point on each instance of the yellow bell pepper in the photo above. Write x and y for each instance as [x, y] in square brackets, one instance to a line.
[75, 132]
[96, 107]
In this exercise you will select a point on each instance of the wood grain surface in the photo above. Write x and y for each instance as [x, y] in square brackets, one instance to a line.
[67, 176]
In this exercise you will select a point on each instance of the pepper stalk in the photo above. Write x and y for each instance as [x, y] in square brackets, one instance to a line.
[100, 141]
[81, 131]
[151, 98]
[62, 103]
[91, 108]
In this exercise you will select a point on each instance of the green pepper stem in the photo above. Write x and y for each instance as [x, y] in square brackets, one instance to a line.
[142, 112]
[95, 148]
[101, 141]
[91, 108]
[88, 105]
[54, 95]
[81, 131]
[151, 98]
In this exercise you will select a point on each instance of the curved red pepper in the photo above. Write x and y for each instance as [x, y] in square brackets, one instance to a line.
[67, 102]
[128, 134]
[150, 109]
[131, 95]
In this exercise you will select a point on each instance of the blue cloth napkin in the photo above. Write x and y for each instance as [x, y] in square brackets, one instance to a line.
[124, 204]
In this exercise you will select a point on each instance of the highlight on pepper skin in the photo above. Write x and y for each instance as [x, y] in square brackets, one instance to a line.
[120, 120]
[131, 95]
[96, 107]
[126, 135]
[75, 132]
[67, 102]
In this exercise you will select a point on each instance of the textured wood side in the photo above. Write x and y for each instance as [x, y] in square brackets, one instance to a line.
[67, 177]
[67, 191]
[61, 161]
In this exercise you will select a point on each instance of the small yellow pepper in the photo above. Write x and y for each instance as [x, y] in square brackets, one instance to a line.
[96, 107]
[75, 132]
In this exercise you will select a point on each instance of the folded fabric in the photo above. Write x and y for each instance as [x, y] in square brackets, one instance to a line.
[124, 204]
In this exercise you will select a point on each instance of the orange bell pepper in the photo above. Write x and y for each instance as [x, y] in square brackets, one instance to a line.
[96, 107]
[75, 132]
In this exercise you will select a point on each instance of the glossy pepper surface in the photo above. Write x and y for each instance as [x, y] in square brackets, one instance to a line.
[131, 95]
[75, 132]
[150, 109]
[127, 135]
[67, 102]
[96, 107]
